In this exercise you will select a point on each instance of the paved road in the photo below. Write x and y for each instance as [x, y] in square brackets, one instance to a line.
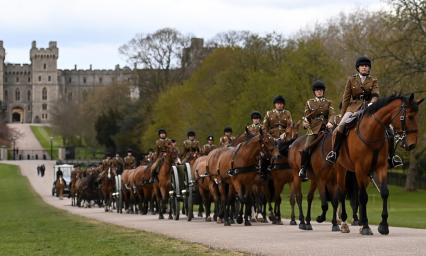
[260, 239]
[28, 139]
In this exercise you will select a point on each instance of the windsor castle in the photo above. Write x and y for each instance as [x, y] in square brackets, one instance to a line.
[29, 90]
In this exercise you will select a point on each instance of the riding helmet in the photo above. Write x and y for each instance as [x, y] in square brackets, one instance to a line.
[162, 130]
[150, 150]
[117, 153]
[129, 150]
[108, 154]
[363, 60]
[227, 129]
[209, 137]
[256, 115]
[318, 85]
[173, 140]
[279, 99]
[190, 133]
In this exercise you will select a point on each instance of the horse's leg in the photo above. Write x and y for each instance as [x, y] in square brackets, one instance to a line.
[225, 204]
[279, 187]
[204, 196]
[324, 204]
[159, 197]
[292, 203]
[248, 202]
[363, 199]
[384, 192]
[313, 186]
[298, 190]
[339, 192]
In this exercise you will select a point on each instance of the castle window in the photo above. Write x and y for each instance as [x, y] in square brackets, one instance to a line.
[5, 79]
[44, 94]
[45, 115]
[5, 95]
[50, 78]
[29, 79]
[84, 80]
[69, 80]
[44, 106]
[44, 66]
[29, 107]
[17, 79]
[17, 95]
[42, 116]
[70, 97]
[39, 78]
[100, 80]
[29, 95]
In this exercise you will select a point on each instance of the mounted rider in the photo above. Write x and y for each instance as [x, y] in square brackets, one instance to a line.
[106, 164]
[59, 173]
[255, 126]
[174, 143]
[228, 136]
[319, 114]
[190, 147]
[160, 150]
[129, 160]
[116, 160]
[207, 148]
[275, 121]
[361, 89]
[338, 118]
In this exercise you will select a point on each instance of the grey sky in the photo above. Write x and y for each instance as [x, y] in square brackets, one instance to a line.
[90, 31]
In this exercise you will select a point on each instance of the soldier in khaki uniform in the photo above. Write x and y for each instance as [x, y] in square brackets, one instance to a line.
[190, 147]
[320, 115]
[129, 160]
[106, 164]
[209, 146]
[161, 147]
[228, 136]
[116, 160]
[255, 126]
[174, 145]
[338, 118]
[360, 89]
[275, 121]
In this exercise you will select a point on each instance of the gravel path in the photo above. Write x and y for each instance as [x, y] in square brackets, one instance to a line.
[260, 239]
[28, 139]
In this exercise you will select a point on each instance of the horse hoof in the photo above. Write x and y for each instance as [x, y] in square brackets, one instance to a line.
[239, 219]
[247, 223]
[383, 230]
[253, 220]
[209, 219]
[355, 223]
[274, 222]
[265, 220]
[219, 221]
[335, 228]
[302, 226]
[152, 213]
[367, 232]
[271, 217]
[106, 210]
[279, 222]
[293, 223]
[345, 228]
[308, 227]
[227, 223]
[161, 217]
[232, 221]
[214, 217]
[260, 219]
[338, 222]
[320, 219]
[200, 214]
[170, 217]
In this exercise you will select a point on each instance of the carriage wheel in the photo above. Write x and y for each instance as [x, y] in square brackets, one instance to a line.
[119, 197]
[189, 206]
[120, 200]
[174, 202]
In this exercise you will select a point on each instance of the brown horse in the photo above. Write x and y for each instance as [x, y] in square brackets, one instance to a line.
[73, 190]
[108, 187]
[162, 185]
[86, 189]
[144, 189]
[365, 150]
[60, 186]
[235, 171]
[202, 180]
[128, 193]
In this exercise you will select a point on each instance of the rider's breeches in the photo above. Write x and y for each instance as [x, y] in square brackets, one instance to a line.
[309, 140]
[341, 127]
[155, 165]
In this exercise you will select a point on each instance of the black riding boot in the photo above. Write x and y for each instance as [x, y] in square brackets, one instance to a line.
[304, 164]
[334, 154]
[264, 169]
[153, 176]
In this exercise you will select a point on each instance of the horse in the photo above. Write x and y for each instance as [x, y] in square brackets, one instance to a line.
[60, 185]
[128, 193]
[162, 184]
[73, 191]
[280, 173]
[86, 189]
[240, 178]
[144, 189]
[365, 150]
[108, 187]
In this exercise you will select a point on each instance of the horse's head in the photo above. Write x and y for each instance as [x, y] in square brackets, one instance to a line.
[267, 143]
[405, 121]
[198, 154]
[172, 152]
[292, 131]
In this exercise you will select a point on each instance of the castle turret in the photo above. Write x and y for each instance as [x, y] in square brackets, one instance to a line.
[44, 79]
[2, 57]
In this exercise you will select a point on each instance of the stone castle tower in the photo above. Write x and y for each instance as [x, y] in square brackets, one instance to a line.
[28, 90]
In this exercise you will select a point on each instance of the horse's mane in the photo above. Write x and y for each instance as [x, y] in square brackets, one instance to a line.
[387, 100]
[232, 143]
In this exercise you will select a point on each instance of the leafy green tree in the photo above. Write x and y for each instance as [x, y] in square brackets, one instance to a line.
[106, 128]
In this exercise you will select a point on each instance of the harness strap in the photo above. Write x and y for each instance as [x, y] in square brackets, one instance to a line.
[274, 167]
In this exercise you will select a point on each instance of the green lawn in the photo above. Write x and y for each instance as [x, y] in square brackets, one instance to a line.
[43, 134]
[29, 226]
[406, 209]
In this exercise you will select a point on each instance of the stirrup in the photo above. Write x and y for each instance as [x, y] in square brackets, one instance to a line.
[152, 180]
[302, 173]
[397, 161]
[331, 157]
[262, 177]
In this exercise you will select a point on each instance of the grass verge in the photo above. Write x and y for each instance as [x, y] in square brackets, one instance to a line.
[43, 134]
[29, 226]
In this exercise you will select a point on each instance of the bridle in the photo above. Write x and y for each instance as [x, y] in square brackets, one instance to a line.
[263, 147]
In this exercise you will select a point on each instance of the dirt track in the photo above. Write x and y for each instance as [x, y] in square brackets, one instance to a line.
[261, 239]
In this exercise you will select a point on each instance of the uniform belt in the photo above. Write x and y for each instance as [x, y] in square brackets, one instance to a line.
[319, 117]
[278, 127]
[362, 97]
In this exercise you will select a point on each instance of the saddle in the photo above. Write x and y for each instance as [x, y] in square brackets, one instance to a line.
[352, 120]
[315, 143]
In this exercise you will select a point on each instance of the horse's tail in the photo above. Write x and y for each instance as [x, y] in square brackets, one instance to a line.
[351, 184]
[283, 147]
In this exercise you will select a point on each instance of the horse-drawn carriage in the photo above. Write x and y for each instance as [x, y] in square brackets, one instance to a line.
[66, 170]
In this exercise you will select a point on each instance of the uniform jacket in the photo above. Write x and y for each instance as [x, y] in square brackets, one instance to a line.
[275, 122]
[189, 148]
[129, 162]
[320, 112]
[254, 128]
[353, 90]
[106, 164]
[225, 139]
[208, 148]
[115, 161]
[161, 147]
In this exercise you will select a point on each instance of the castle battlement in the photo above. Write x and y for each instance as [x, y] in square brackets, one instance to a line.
[12, 69]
